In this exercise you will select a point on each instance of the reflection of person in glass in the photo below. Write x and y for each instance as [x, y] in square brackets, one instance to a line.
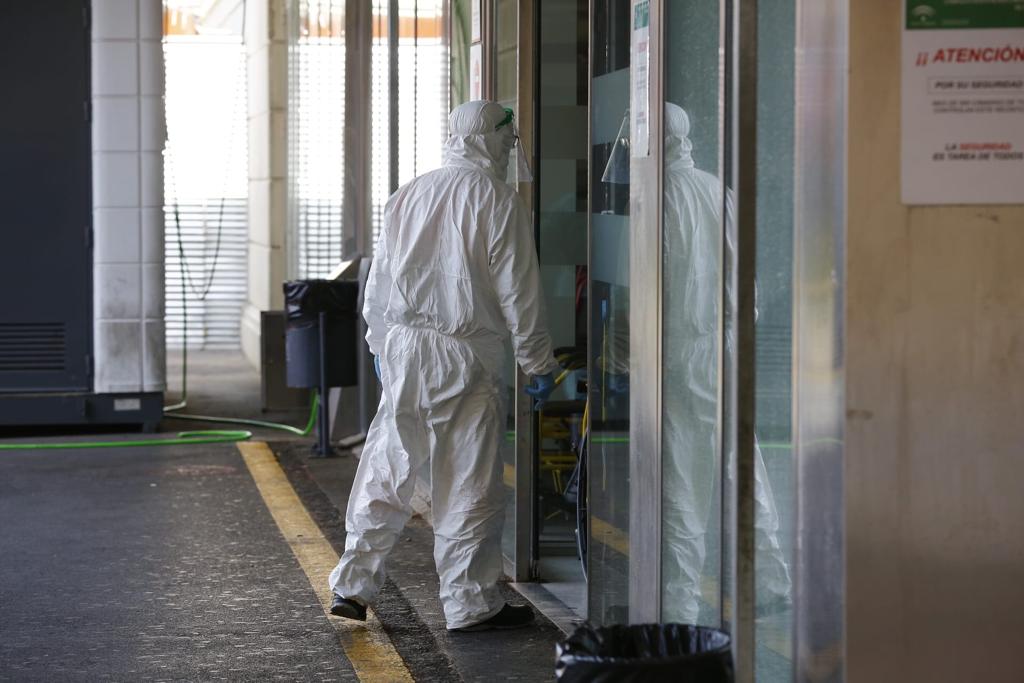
[693, 228]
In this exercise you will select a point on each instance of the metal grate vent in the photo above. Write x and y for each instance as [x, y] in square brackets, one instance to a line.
[27, 347]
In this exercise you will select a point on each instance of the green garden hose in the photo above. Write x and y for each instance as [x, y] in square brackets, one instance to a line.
[304, 431]
[183, 438]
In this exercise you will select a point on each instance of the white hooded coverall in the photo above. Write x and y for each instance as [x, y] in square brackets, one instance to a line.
[455, 271]
[693, 229]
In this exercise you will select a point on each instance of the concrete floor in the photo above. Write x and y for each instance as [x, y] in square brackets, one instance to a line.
[163, 563]
[562, 576]
[153, 564]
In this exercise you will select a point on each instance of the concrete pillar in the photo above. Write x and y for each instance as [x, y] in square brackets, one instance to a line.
[267, 59]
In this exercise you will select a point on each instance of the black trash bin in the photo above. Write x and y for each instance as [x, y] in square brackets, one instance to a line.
[320, 345]
[304, 301]
[645, 652]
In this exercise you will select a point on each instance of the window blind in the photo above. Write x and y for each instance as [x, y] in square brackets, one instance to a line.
[318, 142]
[205, 191]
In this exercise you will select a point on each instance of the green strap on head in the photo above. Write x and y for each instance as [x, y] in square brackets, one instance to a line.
[509, 117]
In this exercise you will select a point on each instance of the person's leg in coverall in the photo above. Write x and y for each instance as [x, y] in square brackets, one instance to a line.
[467, 493]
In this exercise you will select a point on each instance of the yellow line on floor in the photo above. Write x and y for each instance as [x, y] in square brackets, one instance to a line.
[367, 647]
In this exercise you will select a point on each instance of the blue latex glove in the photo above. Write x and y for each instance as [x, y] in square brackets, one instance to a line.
[541, 389]
[376, 366]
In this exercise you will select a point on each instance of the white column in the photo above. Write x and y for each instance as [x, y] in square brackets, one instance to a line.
[267, 56]
[127, 141]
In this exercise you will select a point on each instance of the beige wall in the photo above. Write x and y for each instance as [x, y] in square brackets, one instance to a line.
[935, 399]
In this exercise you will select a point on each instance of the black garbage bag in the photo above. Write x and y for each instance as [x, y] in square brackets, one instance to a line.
[304, 300]
[645, 652]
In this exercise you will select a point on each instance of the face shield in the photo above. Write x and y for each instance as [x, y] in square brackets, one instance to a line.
[616, 171]
[517, 156]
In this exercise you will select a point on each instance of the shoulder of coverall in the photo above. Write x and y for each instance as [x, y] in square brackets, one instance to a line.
[510, 214]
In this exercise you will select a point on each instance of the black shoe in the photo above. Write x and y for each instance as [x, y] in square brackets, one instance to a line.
[510, 616]
[350, 609]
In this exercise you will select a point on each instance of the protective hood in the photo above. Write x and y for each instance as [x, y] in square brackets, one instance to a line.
[475, 139]
[678, 148]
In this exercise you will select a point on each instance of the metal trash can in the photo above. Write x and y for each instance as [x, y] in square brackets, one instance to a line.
[304, 301]
[645, 652]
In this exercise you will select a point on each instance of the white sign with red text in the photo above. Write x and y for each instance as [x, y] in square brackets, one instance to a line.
[476, 72]
[962, 107]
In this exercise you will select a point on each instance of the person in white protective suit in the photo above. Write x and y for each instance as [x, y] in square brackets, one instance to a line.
[455, 272]
[693, 229]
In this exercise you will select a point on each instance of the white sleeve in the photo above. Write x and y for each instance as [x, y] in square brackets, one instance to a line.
[516, 278]
[378, 289]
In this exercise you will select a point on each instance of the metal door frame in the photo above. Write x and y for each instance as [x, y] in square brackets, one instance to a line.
[819, 581]
[521, 567]
[645, 346]
[527, 426]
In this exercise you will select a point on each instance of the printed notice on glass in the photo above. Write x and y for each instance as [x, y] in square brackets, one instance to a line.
[476, 72]
[475, 32]
[963, 102]
[640, 79]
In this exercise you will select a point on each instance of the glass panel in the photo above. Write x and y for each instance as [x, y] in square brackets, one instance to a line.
[775, 174]
[607, 466]
[695, 201]
[561, 183]
[691, 283]
[506, 31]
[422, 88]
[380, 117]
[461, 14]
[317, 130]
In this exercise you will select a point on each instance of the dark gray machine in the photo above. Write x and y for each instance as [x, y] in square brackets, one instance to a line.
[46, 245]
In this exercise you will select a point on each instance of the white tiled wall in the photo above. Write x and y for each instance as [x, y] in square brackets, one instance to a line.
[128, 137]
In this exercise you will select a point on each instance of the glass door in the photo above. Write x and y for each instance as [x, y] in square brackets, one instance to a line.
[735, 229]
[700, 318]
[560, 186]
[715, 290]
[711, 164]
